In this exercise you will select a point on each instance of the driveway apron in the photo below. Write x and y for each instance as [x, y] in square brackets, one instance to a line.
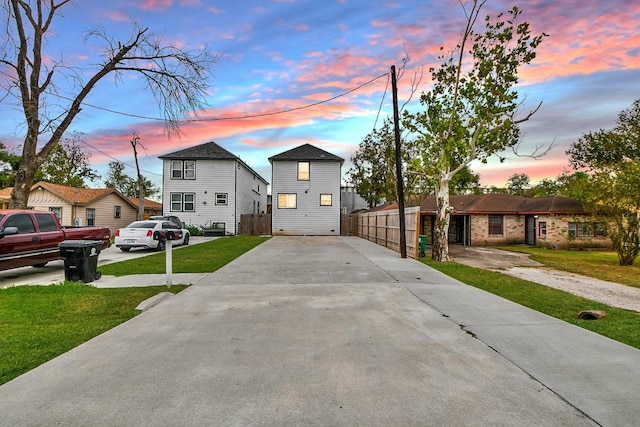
[316, 331]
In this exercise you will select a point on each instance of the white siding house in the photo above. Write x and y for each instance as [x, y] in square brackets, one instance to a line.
[306, 192]
[207, 184]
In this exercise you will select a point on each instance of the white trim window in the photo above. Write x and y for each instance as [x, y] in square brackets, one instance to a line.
[91, 217]
[183, 169]
[222, 199]
[57, 210]
[326, 200]
[117, 211]
[183, 202]
[287, 201]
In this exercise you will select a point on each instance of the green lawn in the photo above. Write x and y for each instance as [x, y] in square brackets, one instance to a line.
[620, 325]
[598, 263]
[38, 323]
[201, 258]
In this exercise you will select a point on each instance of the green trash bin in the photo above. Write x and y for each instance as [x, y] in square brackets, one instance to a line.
[80, 260]
[422, 245]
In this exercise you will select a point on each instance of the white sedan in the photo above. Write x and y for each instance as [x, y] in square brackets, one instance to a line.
[149, 234]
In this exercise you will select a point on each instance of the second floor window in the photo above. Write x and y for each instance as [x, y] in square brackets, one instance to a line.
[303, 171]
[183, 169]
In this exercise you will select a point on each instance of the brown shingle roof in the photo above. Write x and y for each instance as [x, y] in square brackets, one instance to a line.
[500, 203]
[5, 193]
[149, 204]
[78, 196]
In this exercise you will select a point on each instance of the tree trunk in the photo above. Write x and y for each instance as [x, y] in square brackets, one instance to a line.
[440, 251]
[22, 186]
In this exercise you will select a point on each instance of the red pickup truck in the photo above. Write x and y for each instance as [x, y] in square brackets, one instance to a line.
[32, 237]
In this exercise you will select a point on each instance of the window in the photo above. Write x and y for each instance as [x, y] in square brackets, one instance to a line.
[221, 199]
[91, 217]
[287, 201]
[22, 221]
[495, 225]
[117, 211]
[57, 210]
[46, 222]
[325, 200]
[586, 229]
[189, 169]
[542, 229]
[183, 202]
[303, 171]
[183, 169]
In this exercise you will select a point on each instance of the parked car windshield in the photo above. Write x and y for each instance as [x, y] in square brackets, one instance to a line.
[142, 224]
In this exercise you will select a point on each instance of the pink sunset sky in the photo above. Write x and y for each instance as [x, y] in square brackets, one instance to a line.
[280, 55]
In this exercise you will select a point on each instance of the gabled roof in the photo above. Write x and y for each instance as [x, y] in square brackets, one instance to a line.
[149, 204]
[500, 203]
[209, 151]
[5, 193]
[79, 196]
[306, 152]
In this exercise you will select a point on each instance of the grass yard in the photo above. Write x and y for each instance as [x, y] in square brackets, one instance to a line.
[599, 264]
[38, 323]
[201, 258]
[620, 325]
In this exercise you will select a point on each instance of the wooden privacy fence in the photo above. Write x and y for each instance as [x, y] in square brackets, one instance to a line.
[383, 228]
[256, 224]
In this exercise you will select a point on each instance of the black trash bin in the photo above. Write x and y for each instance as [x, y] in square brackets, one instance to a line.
[80, 260]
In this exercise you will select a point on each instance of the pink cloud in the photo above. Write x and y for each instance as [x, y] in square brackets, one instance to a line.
[119, 16]
[302, 27]
[215, 10]
[157, 5]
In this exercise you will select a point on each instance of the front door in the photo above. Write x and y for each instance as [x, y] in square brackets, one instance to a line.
[530, 230]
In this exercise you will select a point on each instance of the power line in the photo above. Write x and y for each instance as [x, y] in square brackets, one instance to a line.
[113, 158]
[248, 116]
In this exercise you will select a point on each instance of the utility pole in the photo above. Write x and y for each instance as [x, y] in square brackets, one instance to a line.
[135, 140]
[396, 127]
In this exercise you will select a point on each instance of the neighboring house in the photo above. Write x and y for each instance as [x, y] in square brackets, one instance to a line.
[351, 201]
[207, 184]
[495, 219]
[151, 207]
[5, 197]
[306, 191]
[83, 206]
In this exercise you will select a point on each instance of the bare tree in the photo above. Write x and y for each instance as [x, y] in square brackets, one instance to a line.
[176, 78]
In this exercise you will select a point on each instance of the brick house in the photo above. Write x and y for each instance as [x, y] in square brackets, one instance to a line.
[498, 219]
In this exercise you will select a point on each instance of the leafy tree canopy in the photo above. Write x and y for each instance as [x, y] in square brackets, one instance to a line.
[127, 185]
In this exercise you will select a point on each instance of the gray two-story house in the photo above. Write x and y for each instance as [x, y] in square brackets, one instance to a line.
[207, 184]
[306, 192]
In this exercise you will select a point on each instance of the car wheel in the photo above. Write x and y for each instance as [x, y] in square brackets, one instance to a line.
[125, 249]
[186, 240]
[161, 246]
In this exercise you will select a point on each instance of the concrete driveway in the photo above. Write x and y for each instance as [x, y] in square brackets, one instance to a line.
[332, 331]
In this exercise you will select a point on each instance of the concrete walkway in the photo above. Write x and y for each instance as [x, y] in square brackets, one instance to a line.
[332, 331]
